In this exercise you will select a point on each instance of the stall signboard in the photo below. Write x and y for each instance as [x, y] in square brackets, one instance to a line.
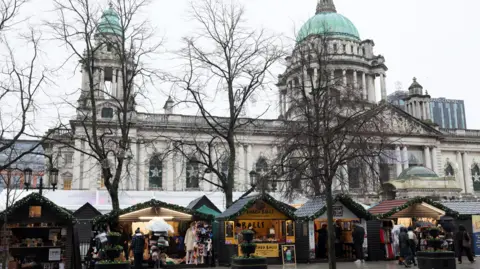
[289, 256]
[264, 250]
[261, 210]
[476, 234]
[340, 212]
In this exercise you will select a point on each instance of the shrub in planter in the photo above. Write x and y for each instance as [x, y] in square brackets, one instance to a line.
[248, 249]
[247, 235]
[112, 265]
[113, 252]
[113, 238]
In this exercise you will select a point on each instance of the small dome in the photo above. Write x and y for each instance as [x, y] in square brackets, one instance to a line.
[110, 23]
[417, 172]
[328, 23]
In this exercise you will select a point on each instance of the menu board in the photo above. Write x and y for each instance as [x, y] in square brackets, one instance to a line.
[289, 256]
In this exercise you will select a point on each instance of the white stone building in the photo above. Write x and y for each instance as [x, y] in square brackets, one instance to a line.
[451, 158]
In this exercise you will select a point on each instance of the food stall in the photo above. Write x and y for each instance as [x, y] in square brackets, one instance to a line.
[390, 213]
[183, 221]
[312, 216]
[272, 222]
[39, 232]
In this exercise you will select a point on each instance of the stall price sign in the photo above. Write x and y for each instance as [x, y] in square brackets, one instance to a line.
[263, 250]
[289, 256]
[54, 254]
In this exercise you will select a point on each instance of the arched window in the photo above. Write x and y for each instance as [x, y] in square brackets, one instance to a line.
[353, 175]
[449, 172]
[193, 173]
[295, 172]
[155, 172]
[476, 177]
[107, 112]
[261, 167]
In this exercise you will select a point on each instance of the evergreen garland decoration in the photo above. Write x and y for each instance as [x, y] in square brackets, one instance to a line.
[114, 215]
[284, 208]
[349, 203]
[35, 199]
[419, 200]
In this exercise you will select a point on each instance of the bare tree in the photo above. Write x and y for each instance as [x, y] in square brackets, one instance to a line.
[225, 54]
[329, 126]
[111, 49]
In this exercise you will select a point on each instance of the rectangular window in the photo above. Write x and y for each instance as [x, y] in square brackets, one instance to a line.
[67, 184]
[335, 48]
[35, 212]
[68, 158]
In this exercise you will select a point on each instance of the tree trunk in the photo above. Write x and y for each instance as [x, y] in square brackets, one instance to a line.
[231, 171]
[113, 191]
[331, 229]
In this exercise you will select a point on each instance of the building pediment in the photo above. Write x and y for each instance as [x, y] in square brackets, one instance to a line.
[404, 124]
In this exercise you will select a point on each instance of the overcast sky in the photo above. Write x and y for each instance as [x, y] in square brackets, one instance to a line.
[437, 41]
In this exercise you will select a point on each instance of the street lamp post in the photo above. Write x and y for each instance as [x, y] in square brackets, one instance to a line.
[53, 178]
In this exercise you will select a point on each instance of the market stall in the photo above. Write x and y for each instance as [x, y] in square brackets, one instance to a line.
[185, 223]
[312, 220]
[272, 222]
[393, 213]
[39, 232]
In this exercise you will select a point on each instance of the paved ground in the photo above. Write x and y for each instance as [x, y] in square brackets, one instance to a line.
[371, 265]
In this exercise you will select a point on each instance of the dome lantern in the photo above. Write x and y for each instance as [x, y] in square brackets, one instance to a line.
[328, 22]
[110, 22]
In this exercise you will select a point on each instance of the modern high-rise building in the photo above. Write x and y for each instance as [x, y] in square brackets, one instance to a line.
[448, 113]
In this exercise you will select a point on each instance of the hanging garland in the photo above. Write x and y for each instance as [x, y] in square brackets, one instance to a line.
[114, 215]
[348, 202]
[284, 208]
[419, 200]
[36, 199]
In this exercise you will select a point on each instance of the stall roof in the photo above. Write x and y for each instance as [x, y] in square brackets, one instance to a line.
[208, 211]
[417, 207]
[316, 207]
[61, 213]
[86, 206]
[243, 204]
[110, 217]
[463, 208]
[201, 202]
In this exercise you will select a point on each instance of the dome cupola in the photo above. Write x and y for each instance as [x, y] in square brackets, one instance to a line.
[110, 22]
[328, 22]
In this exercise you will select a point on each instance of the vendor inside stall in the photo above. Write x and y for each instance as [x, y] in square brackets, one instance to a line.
[270, 220]
[174, 234]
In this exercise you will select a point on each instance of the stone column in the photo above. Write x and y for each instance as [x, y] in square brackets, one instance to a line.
[344, 77]
[424, 111]
[405, 158]
[429, 117]
[376, 175]
[241, 166]
[426, 156]
[332, 78]
[467, 177]
[364, 86]
[345, 184]
[280, 103]
[250, 161]
[398, 160]
[383, 86]
[169, 175]
[355, 86]
[434, 160]
[459, 172]
[419, 111]
[315, 78]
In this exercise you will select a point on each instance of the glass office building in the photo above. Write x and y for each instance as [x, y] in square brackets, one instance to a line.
[448, 113]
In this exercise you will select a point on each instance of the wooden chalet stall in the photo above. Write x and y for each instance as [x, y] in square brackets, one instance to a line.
[313, 215]
[272, 221]
[180, 218]
[42, 232]
[399, 212]
[466, 210]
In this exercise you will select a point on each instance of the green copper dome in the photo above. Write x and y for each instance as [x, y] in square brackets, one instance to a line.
[110, 23]
[328, 23]
[417, 172]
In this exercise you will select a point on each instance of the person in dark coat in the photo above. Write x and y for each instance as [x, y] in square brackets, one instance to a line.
[322, 241]
[405, 250]
[138, 244]
[338, 239]
[464, 243]
[358, 236]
